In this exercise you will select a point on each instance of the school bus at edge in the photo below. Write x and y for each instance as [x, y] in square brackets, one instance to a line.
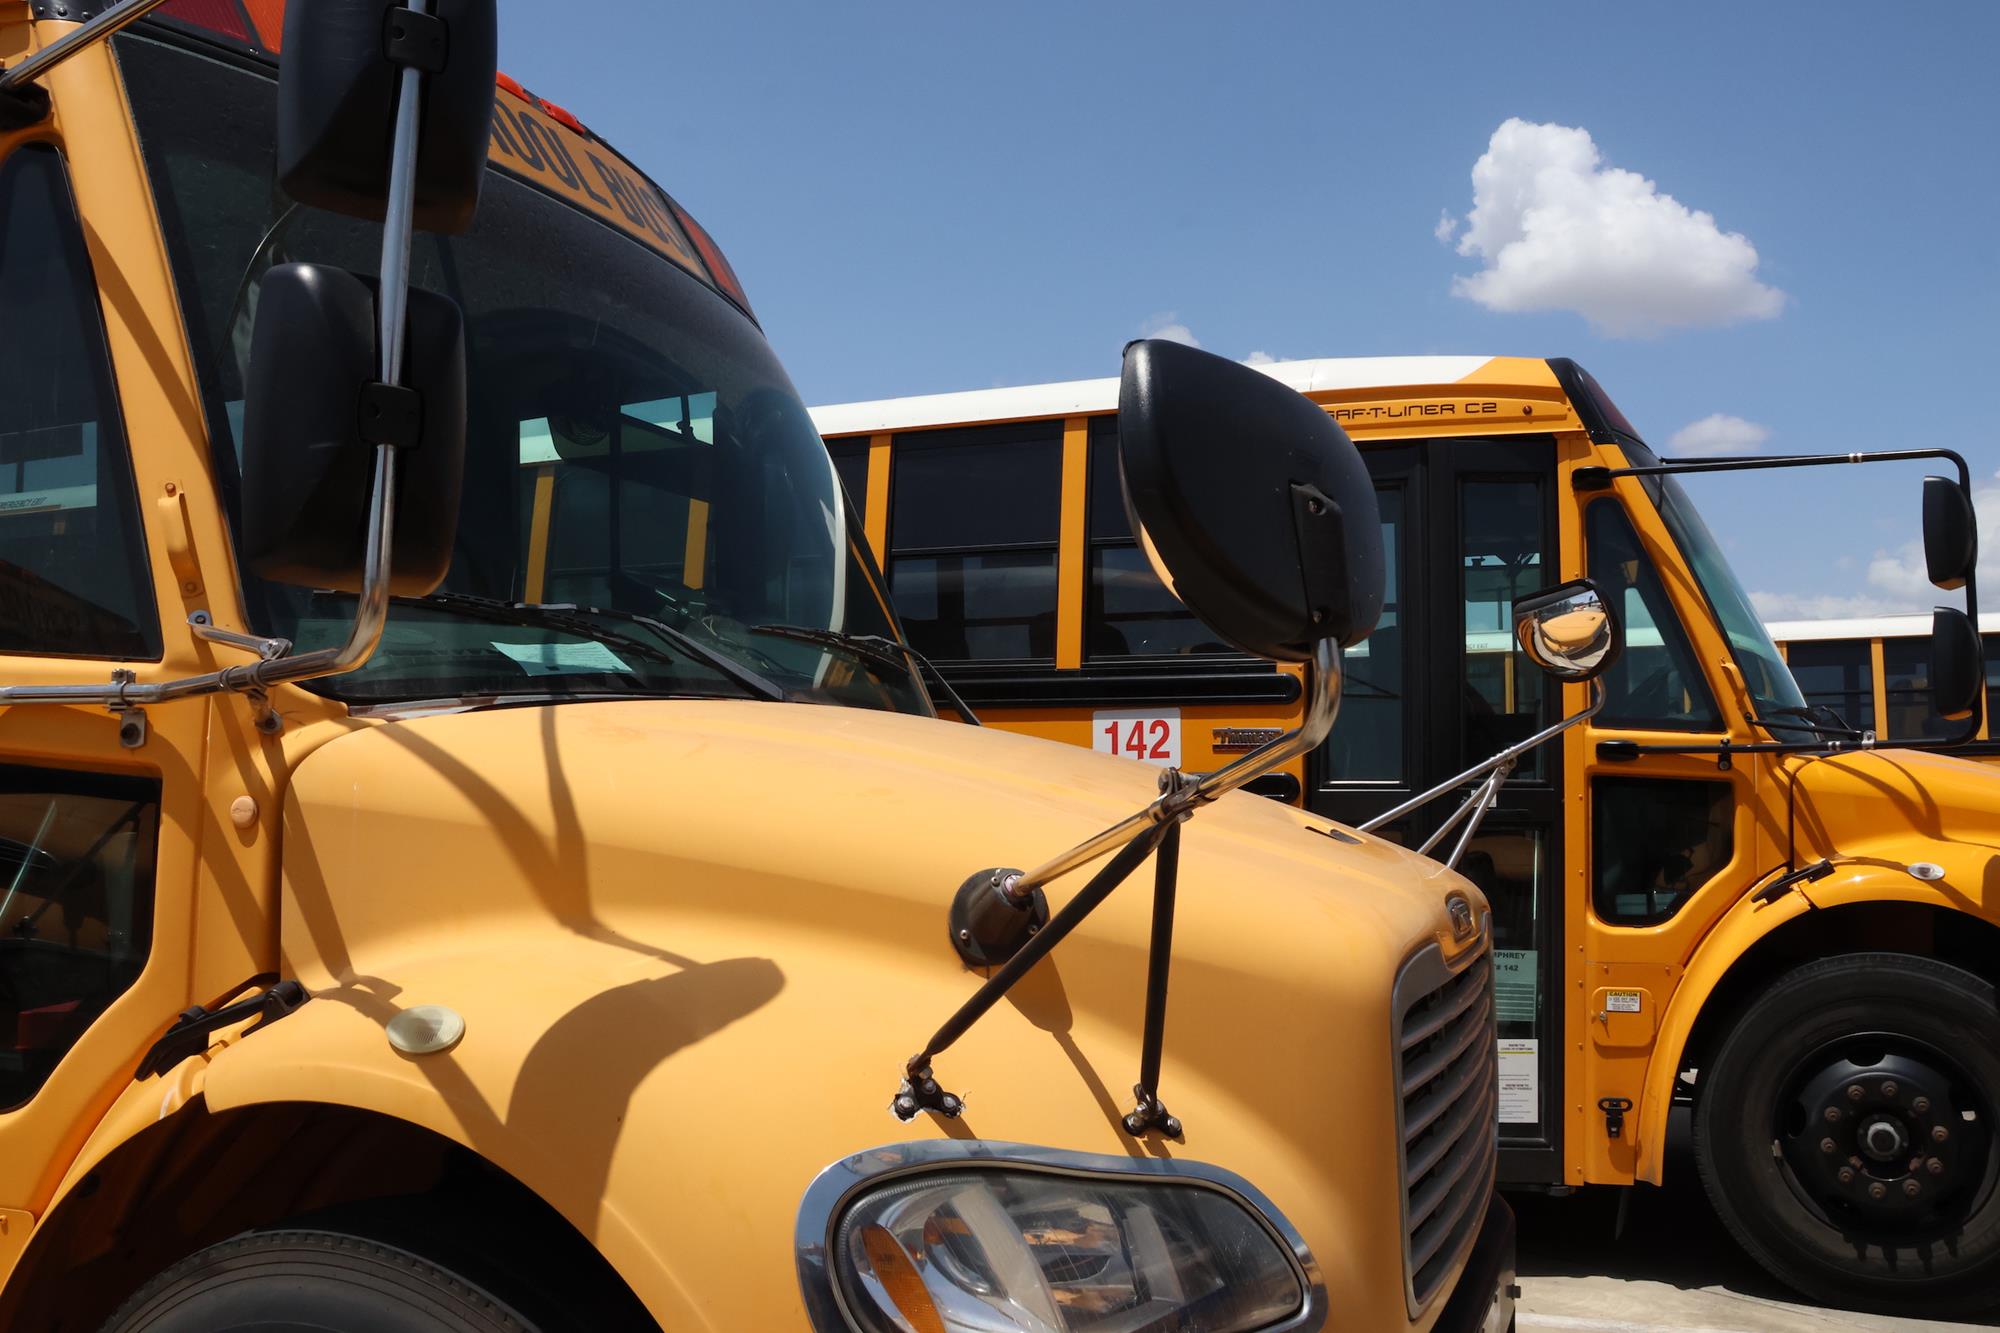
[475, 853]
[1714, 890]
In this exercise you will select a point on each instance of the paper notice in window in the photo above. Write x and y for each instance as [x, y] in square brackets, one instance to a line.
[1514, 975]
[562, 659]
[1520, 1081]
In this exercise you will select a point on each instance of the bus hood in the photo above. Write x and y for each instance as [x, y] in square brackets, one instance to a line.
[1894, 804]
[687, 936]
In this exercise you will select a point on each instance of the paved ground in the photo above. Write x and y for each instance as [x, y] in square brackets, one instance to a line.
[1674, 1268]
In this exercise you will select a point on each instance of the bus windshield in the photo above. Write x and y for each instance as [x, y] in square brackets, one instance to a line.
[642, 484]
[1779, 704]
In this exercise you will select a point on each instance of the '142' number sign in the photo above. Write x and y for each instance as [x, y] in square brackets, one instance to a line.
[1152, 735]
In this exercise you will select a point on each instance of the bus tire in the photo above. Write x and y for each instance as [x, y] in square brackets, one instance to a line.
[1845, 1132]
[312, 1281]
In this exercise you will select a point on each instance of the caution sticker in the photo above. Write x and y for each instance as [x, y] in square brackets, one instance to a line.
[1621, 1001]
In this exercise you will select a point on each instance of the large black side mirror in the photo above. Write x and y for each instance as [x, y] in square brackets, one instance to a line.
[312, 413]
[337, 90]
[1958, 666]
[1569, 631]
[1951, 533]
[1250, 501]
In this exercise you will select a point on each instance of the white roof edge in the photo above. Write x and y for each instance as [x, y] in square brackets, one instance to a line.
[1866, 627]
[1076, 397]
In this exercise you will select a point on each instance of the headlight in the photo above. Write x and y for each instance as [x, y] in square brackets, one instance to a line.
[998, 1246]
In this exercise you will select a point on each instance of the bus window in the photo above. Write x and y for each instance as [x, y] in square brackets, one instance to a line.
[1906, 680]
[1839, 674]
[1129, 612]
[850, 463]
[1655, 683]
[1503, 523]
[1367, 746]
[1991, 645]
[1654, 841]
[973, 524]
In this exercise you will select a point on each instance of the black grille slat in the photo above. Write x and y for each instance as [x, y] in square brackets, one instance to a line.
[1447, 1075]
[1456, 994]
[1453, 1044]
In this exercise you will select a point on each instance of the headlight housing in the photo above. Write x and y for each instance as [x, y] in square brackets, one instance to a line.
[954, 1237]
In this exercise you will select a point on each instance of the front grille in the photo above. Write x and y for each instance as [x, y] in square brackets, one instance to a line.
[1448, 1079]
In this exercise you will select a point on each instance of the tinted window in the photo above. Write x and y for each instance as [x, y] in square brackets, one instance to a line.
[850, 461]
[1366, 744]
[1991, 646]
[76, 910]
[1654, 841]
[1655, 681]
[1839, 674]
[1503, 524]
[973, 522]
[1906, 680]
[1129, 612]
[73, 576]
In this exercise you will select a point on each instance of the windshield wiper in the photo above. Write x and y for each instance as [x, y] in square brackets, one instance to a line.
[568, 618]
[1811, 718]
[874, 648]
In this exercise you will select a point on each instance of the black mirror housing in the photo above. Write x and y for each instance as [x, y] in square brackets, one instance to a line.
[337, 88]
[1958, 665]
[1249, 500]
[307, 468]
[1951, 533]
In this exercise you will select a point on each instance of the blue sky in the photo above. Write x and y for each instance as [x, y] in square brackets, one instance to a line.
[923, 198]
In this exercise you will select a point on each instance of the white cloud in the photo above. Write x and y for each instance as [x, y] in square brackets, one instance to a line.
[1260, 359]
[1446, 228]
[1716, 434]
[1559, 230]
[1896, 580]
[1167, 325]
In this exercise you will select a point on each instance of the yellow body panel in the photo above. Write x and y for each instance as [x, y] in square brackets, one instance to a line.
[669, 969]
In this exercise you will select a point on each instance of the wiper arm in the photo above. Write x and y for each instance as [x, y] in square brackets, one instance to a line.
[1805, 722]
[874, 648]
[570, 619]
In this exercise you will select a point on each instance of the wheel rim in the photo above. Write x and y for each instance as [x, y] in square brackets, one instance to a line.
[1885, 1138]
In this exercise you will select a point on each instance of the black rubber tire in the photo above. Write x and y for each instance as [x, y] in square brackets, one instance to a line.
[309, 1281]
[1944, 1007]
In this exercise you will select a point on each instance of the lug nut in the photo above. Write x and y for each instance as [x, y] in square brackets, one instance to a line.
[1939, 1133]
[1878, 1191]
[1911, 1188]
[1828, 1145]
[1934, 1166]
[1846, 1175]
[1921, 1105]
[1832, 1114]
[1854, 1092]
[1889, 1088]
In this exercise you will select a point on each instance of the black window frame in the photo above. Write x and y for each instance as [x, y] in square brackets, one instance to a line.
[1858, 676]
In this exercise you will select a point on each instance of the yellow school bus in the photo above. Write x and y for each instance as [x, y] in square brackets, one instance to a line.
[1874, 671]
[474, 854]
[1704, 892]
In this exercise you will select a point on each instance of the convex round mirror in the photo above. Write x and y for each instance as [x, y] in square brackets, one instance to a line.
[1568, 631]
[1249, 500]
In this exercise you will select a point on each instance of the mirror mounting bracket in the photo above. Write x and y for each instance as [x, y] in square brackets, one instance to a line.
[414, 39]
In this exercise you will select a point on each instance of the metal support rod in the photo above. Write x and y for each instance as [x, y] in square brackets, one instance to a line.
[62, 48]
[1488, 792]
[1506, 756]
[1037, 948]
[1473, 807]
[1322, 705]
[1159, 958]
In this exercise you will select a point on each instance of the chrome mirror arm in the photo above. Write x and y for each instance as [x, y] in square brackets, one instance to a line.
[1481, 798]
[121, 14]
